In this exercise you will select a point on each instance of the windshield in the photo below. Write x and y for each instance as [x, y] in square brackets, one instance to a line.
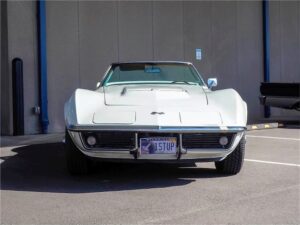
[172, 73]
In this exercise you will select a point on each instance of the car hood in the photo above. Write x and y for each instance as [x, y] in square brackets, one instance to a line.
[155, 95]
[180, 105]
[156, 105]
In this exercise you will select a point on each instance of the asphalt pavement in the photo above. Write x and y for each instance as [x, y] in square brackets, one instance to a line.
[37, 189]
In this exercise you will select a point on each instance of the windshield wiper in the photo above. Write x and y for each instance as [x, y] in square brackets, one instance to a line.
[184, 82]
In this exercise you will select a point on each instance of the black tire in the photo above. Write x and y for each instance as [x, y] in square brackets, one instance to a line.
[233, 163]
[77, 162]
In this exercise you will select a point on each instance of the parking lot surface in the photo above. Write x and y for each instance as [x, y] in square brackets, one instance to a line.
[36, 188]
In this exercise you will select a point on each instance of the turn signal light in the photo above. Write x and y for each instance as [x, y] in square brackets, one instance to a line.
[223, 141]
[91, 140]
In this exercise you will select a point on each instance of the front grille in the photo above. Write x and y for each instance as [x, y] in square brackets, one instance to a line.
[205, 140]
[111, 139]
[116, 140]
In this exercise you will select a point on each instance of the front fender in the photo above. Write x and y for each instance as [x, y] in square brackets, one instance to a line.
[81, 106]
[230, 105]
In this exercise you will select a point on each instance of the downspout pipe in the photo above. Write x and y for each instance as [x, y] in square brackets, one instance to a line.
[266, 49]
[42, 59]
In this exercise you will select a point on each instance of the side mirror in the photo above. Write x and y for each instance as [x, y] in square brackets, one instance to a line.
[212, 82]
[98, 85]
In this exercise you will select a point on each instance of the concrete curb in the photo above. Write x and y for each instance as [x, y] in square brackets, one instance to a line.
[262, 126]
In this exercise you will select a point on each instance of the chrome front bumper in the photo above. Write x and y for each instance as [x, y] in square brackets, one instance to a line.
[182, 154]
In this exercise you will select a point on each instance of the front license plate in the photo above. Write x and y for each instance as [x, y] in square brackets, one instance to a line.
[158, 145]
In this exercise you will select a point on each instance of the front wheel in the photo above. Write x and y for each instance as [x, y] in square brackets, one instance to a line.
[233, 163]
[77, 162]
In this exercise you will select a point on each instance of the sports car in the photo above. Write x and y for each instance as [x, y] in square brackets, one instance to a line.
[155, 112]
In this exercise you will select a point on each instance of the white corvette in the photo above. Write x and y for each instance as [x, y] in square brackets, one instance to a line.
[155, 112]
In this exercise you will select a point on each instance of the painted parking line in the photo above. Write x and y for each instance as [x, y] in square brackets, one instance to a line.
[269, 137]
[271, 162]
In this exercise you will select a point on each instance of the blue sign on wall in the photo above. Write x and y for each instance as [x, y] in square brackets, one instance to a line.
[198, 54]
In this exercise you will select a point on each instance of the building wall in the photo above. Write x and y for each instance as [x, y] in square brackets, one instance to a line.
[83, 38]
[285, 46]
[0, 40]
[93, 34]
[25, 34]
[6, 106]
[20, 41]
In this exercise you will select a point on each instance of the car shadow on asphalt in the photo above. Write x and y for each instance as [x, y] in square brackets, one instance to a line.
[41, 168]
